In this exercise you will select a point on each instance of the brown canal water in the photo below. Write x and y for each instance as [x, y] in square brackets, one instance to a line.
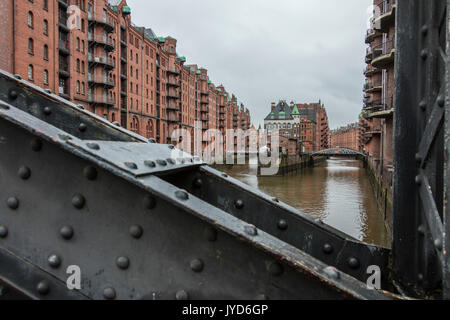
[338, 191]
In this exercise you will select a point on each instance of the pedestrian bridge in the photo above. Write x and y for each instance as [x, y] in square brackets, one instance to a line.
[338, 152]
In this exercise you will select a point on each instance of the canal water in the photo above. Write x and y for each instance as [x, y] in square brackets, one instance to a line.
[338, 191]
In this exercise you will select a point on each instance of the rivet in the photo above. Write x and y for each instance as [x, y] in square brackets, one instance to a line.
[116, 124]
[424, 30]
[353, 263]
[182, 195]
[210, 234]
[149, 202]
[13, 203]
[12, 95]
[282, 224]
[420, 277]
[197, 265]
[275, 200]
[421, 230]
[332, 273]
[93, 146]
[424, 54]
[136, 231]
[441, 100]
[78, 201]
[82, 127]
[18, 77]
[90, 173]
[109, 293]
[80, 106]
[171, 146]
[24, 173]
[261, 297]
[123, 263]
[43, 287]
[423, 105]
[418, 180]
[274, 268]
[47, 111]
[131, 165]
[36, 145]
[418, 157]
[3, 231]
[161, 162]
[327, 248]
[438, 244]
[48, 91]
[181, 295]
[4, 107]
[54, 261]
[198, 183]
[171, 161]
[250, 230]
[64, 137]
[151, 140]
[150, 163]
[239, 204]
[66, 232]
[318, 221]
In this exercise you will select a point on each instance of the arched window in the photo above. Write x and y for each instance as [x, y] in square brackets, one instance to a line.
[45, 28]
[46, 77]
[149, 129]
[82, 67]
[78, 87]
[82, 46]
[135, 125]
[30, 19]
[78, 44]
[82, 88]
[113, 117]
[78, 65]
[45, 52]
[30, 46]
[30, 72]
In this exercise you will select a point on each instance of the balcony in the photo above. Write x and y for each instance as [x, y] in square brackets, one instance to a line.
[373, 86]
[64, 69]
[371, 34]
[173, 118]
[172, 71]
[101, 99]
[173, 83]
[204, 118]
[173, 106]
[63, 47]
[370, 71]
[373, 106]
[100, 80]
[106, 21]
[384, 55]
[204, 92]
[173, 95]
[204, 100]
[204, 109]
[107, 62]
[64, 3]
[104, 41]
[387, 15]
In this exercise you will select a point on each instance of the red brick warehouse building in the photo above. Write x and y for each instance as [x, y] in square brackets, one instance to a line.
[346, 137]
[120, 71]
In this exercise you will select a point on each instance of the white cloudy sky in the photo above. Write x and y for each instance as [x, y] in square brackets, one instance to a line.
[267, 50]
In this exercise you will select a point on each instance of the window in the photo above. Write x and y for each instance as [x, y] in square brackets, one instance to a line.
[82, 25]
[82, 46]
[45, 77]
[78, 87]
[30, 19]
[45, 5]
[45, 27]
[45, 52]
[30, 46]
[82, 88]
[78, 65]
[78, 44]
[30, 72]
[82, 67]
[137, 58]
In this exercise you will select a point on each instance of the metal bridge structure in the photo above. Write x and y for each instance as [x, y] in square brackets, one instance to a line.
[339, 152]
[139, 220]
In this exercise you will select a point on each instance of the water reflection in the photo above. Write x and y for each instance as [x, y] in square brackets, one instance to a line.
[338, 191]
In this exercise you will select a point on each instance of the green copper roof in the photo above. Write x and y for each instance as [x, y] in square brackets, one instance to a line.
[126, 9]
[198, 72]
[209, 81]
[295, 111]
[183, 59]
[219, 90]
[161, 39]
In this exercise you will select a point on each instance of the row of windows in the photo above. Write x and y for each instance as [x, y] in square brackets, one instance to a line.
[31, 74]
[44, 4]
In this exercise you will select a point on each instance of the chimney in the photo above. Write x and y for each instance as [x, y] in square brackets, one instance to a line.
[273, 106]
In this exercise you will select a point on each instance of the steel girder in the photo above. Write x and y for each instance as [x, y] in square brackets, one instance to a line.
[143, 223]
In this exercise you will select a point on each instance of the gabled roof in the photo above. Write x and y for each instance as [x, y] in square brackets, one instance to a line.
[281, 112]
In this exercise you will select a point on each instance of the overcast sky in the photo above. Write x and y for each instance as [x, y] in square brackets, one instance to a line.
[267, 50]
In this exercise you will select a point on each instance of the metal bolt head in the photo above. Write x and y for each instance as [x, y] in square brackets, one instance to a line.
[196, 265]
[151, 140]
[36, 145]
[239, 204]
[282, 224]
[332, 273]
[171, 161]
[274, 268]
[275, 200]
[418, 157]
[3, 231]
[43, 287]
[116, 124]
[82, 127]
[90, 173]
[353, 263]
[441, 100]
[123, 263]
[424, 30]
[78, 201]
[66, 232]
[149, 202]
[438, 244]
[47, 111]
[418, 180]
[423, 105]
[13, 203]
[171, 146]
[13, 95]
[131, 165]
[181, 295]
[420, 277]
[182, 195]
[136, 231]
[327, 248]
[54, 261]
[150, 163]
[93, 146]
[109, 293]
[261, 297]
[198, 183]
[250, 230]
[161, 162]
[24, 173]
[224, 175]
[424, 54]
